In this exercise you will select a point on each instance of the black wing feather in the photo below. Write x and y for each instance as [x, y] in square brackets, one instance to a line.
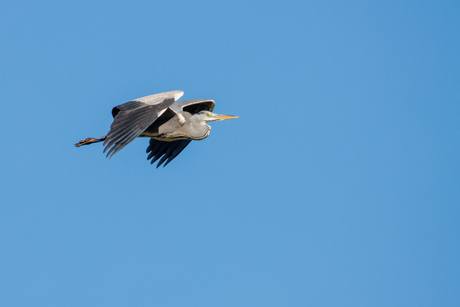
[130, 121]
[169, 150]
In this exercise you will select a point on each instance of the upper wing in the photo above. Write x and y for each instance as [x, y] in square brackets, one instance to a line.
[169, 150]
[132, 118]
[193, 106]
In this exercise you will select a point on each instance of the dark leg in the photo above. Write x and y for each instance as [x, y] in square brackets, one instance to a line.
[90, 141]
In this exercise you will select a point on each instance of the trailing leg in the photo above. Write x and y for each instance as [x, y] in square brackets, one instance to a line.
[90, 141]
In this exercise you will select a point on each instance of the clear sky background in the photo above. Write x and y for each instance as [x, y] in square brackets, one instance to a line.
[339, 185]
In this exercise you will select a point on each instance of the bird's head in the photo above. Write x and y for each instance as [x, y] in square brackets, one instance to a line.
[207, 116]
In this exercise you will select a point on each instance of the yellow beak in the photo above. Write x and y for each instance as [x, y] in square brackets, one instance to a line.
[216, 117]
[223, 117]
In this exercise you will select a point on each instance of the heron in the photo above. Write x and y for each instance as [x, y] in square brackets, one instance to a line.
[170, 124]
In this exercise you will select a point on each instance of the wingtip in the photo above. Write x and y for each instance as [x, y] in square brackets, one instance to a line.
[178, 94]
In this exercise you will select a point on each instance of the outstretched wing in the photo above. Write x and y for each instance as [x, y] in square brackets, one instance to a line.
[169, 150]
[193, 106]
[132, 118]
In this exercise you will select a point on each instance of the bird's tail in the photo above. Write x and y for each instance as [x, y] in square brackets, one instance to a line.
[90, 141]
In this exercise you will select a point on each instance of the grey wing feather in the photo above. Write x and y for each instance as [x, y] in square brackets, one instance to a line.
[132, 118]
[193, 106]
[166, 150]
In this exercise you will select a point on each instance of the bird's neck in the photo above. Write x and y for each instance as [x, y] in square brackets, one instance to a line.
[200, 130]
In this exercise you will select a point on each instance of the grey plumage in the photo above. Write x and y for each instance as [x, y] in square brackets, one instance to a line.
[134, 117]
[170, 124]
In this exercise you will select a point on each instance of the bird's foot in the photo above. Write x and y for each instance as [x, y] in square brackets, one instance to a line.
[88, 141]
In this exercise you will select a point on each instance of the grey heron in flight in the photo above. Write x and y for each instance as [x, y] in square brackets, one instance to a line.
[170, 124]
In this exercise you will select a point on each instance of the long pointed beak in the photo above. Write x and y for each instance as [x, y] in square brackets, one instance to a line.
[216, 117]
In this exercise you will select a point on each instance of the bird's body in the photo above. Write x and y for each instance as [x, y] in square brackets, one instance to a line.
[181, 126]
[170, 124]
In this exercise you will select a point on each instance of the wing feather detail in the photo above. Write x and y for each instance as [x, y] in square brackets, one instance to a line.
[167, 151]
[194, 106]
[134, 117]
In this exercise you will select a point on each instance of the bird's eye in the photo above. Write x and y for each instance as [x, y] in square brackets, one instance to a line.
[207, 114]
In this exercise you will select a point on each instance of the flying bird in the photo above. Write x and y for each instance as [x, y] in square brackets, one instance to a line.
[170, 124]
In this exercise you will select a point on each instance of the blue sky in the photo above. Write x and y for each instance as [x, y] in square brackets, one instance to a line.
[339, 185]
